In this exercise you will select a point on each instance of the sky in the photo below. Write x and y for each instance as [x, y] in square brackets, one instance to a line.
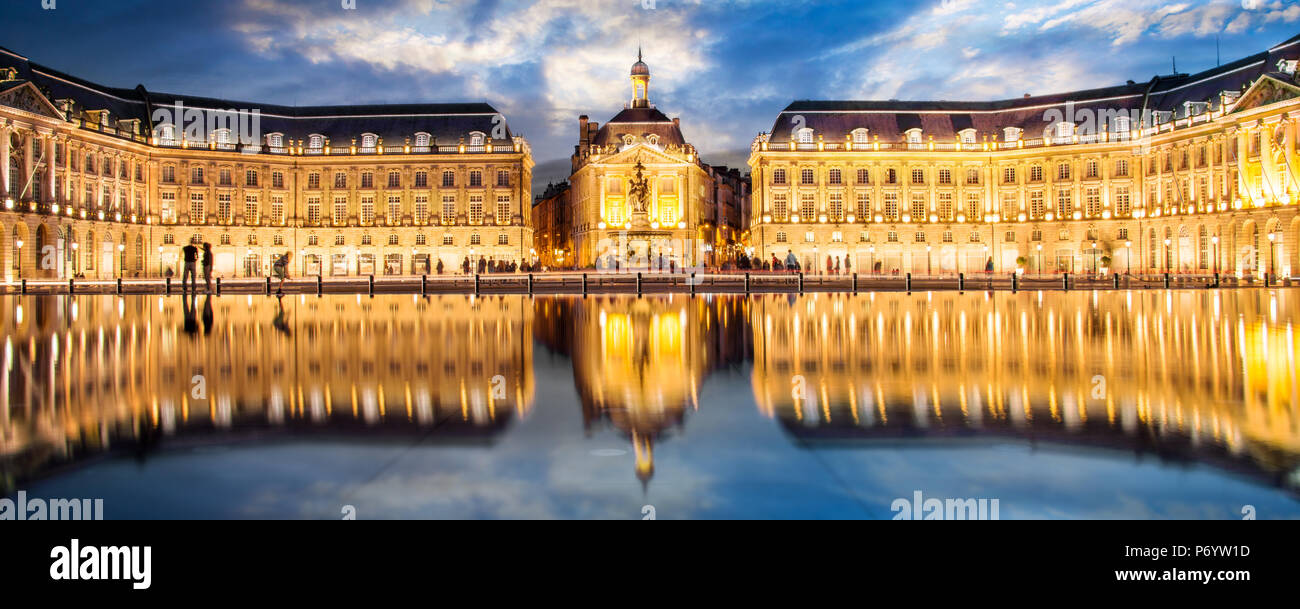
[725, 67]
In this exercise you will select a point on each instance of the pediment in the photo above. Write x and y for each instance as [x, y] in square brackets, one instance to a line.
[1267, 90]
[644, 154]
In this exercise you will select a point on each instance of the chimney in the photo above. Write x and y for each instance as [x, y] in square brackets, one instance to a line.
[677, 122]
[582, 129]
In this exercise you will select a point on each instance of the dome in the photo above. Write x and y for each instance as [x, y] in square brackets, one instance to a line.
[639, 68]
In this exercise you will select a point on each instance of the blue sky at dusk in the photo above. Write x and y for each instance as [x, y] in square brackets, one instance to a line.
[725, 67]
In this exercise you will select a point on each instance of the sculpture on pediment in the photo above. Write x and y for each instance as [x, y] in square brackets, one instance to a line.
[25, 99]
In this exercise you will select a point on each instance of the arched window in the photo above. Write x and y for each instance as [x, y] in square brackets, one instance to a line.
[806, 135]
[860, 136]
[422, 139]
[275, 140]
[315, 142]
[476, 138]
[967, 136]
[368, 141]
[166, 134]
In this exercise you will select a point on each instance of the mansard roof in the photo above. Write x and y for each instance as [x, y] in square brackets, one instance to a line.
[944, 120]
[640, 122]
[447, 122]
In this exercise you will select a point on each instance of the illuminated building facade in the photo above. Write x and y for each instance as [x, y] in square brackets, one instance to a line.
[100, 182]
[1184, 173]
[638, 189]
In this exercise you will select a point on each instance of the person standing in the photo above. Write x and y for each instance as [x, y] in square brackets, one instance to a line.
[191, 255]
[280, 269]
[207, 266]
[790, 261]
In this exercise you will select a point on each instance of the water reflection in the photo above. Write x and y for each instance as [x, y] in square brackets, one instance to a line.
[1190, 377]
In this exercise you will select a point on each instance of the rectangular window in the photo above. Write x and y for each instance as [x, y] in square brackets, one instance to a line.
[340, 210]
[780, 207]
[394, 214]
[421, 209]
[475, 178]
[277, 179]
[1037, 208]
[503, 177]
[198, 215]
[807, 207]
[224, 213]
[167, 211]
[945, 207]
[448, 209]
[1092, 201]
[891, 207]
[476, 209]
[421, 179]
[1064, 206]
[1123, 204]
[367, 211]
[251, 210]
[918, 210]
[448, 179]
[277, 210]
[503, 209]
[836, 207]
[340, 179]
[313, 210]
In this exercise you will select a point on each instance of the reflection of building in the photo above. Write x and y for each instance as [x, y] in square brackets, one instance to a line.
[1184, 172]
[639, 362]
[639, 190]
[1180, 373]
[88, 372]
[105, 179]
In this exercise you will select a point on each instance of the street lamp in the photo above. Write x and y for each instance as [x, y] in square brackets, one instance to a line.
[929, 268]
[1167, 260]
[160, 262]
[872, 250]
[121, 260]
[1040, 258]
[1128, 255]
[19, 245]
[1094, 258]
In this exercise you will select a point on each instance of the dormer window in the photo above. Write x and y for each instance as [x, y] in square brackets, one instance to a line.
[422, 139]
[275, 140]
[1287, 66]
[913, 137]
[1064, 130]
[1123, 125]
[166, 134]
[368, 141]
[315, 142]
[652, 139]
[860, 136]
[628, 140]
[476, 138]
[221, 137]
[967, 136]
[806, 135]
[1011, 134]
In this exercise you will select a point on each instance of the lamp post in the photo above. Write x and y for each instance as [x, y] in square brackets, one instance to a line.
[160, 262]
[1167, 261]
[1039, 247]
[929, 268]
[1128, 255]
[121, 260]
[1094, 258]
[872, 251]
[19, 245]
[74, 258]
